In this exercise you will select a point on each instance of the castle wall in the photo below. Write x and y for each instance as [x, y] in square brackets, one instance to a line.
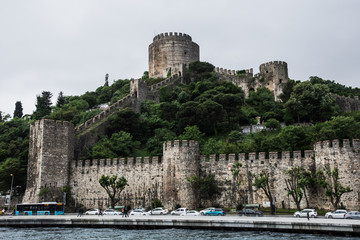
[171, 50]
[272, 75]
[142, 174]
[50, 150]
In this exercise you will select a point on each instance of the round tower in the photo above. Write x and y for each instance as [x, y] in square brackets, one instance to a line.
[170, 53]
[274, 76]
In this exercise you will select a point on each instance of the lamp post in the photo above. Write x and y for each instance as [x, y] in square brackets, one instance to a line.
[245, 201]
[12, 181]
[75, 190]
[150, 192]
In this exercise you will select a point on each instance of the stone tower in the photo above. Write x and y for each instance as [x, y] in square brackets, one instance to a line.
[274, 76]
[171, 51]
[180, 160]
[51, 149]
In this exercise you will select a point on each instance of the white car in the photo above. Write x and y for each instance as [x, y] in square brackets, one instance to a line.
[190, 213]
[179, 211]
[140, 208]
[340, 213]
[138, 212]
[93, 211]
[159, 211]
[111, 212]
[304, 213]
[202, 212]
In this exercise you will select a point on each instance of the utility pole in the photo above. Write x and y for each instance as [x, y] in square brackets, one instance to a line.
[12, 181]
[150, 192]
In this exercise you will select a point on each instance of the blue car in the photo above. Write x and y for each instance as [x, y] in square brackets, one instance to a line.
[215, 212]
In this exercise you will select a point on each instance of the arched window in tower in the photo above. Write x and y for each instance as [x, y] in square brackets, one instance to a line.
[280, 80]
[185, 53]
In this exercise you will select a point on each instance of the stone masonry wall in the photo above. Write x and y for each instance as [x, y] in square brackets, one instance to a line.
[142, 174]
[50, 150]
[167, 178]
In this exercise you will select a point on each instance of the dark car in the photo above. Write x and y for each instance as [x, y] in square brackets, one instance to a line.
[250, 212]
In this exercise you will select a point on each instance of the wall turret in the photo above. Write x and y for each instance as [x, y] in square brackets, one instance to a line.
[51, 149]
[171, 51]
[181, 159]
[274, 76]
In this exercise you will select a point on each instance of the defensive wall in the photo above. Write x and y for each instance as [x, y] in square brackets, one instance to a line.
[272, 75]
[165, 176]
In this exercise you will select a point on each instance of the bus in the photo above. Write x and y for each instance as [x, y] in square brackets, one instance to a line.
[44, 208]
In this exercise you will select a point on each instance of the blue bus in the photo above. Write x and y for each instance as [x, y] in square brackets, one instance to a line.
[44, 208]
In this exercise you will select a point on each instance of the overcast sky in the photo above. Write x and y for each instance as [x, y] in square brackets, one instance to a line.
[69, 45]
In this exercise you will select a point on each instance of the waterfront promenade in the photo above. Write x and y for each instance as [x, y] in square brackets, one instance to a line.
[235, 223]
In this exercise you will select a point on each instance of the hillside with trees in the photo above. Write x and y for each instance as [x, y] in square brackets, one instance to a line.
[207, 110]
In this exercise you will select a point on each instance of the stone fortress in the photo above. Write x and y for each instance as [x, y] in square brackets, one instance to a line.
[56, 147]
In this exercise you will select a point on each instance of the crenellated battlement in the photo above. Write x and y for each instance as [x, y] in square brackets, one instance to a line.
[248, 72]
[273, 63]
[117, 162]
[261, 156]
[177, 144]
[336, 144]
[164, 82]
[172, 36]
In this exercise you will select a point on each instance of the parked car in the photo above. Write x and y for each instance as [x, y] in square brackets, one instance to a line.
[111, 212]
[303, 213]
[140, 208]
[352, 215]
[250, 212]
[202, 212]
[159, 211]
[138, 212]
[340, 213]
[190, 213]
[93, 211]
[179, 211]
[215, 212]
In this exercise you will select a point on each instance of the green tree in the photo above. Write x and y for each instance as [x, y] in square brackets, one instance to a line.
[293, 187]
[330, 181]
[113, 187]
[340, 127]
[263, 181]
[192, 133]
[18, 110]
[200, 70]
[205, 186]
[43, 105]
[272, 124]
[311, 102]
[237, 177]
[60, 100]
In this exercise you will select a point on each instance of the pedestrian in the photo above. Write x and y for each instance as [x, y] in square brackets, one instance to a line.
[308, 216]
[100, 212]
[123, 211]
[80, 212]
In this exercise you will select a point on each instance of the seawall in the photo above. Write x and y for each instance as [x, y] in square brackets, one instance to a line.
[275, 224]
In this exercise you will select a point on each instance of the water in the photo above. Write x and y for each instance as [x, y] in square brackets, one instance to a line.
[161, 234]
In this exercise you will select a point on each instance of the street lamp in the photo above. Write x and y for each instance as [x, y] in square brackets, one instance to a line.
[150, 200]
[12, 181]
[245, 201]
[75, 190]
